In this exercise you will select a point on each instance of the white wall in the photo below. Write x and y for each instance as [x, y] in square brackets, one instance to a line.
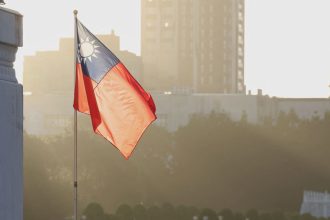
[49, 114]
[175, 110]
[305, 108]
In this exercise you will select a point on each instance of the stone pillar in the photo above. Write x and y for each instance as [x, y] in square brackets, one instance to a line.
[11, 119]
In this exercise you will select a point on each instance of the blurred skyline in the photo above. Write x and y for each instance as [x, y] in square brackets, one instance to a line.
[286, 42]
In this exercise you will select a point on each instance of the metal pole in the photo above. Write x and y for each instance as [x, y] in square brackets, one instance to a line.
[75, 181]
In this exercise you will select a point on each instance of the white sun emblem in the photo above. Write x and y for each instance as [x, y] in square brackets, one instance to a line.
[88, 49]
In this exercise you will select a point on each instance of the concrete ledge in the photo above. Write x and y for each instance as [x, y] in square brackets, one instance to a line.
[11, 38]
[11, 31]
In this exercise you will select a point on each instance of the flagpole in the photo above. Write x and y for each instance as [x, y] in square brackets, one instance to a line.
[75, 166]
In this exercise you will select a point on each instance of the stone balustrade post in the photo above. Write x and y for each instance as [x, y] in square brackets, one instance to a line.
[11, 118]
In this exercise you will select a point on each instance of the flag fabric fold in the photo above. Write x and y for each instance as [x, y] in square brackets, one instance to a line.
[120, 109]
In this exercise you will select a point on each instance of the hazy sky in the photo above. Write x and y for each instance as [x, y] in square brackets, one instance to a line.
[287, 41]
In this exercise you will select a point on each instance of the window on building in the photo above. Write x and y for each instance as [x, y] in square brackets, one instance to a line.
[240, 51]
[240, 74]
[166, 3]
[202, 68]
[240, 28]
[151, 3]
[211, 68]
[240, 87]
[210, 79]
[151, 16]
[240, 6]
[240, 39]
[240, 63]
[151, 40]
[240, 16]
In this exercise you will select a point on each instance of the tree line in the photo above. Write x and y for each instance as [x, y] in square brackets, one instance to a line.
[166, 211]
[211, 162]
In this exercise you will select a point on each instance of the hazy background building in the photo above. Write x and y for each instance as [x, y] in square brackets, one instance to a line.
[192, 61]
[174, 110]
[316, 203]
[48, 85]
[193, 45]
[52, 71]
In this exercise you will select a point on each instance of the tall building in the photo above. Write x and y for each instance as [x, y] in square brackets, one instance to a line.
[193, 45]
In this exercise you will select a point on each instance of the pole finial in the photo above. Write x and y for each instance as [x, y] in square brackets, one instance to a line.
[75, 12]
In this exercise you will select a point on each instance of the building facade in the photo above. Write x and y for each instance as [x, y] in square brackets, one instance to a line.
[174, 110]
[48, 85]
[316, 204]
[194, 45]
[38, 74]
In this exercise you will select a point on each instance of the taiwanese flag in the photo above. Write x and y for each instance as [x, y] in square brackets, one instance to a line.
[119, 107]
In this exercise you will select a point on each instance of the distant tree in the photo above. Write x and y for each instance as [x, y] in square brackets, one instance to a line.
[154, 213]
[227, 214]
[94, 211]
[293, 118]
[327, 117]
[209, 158]
[208, 214]
[252, 214]
[267, 121]
[293, 216]
[244, 118]
[125, 212]
[278, 216]
[282, 121]
[46, 195]
[140, 212]
[307, 216]
[168, 212]
[186, 213]
[265, 216]
[238, 216]
[192, 211]
[110, 217]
